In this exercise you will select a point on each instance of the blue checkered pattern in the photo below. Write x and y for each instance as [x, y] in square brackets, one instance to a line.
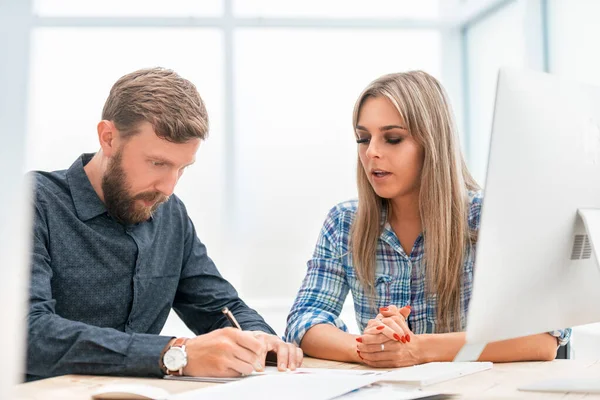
[399, 279]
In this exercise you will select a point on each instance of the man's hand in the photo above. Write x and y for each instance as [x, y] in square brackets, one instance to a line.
[227, 352]
[288, 354]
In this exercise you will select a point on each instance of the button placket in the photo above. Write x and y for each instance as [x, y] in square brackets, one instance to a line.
[130, 322]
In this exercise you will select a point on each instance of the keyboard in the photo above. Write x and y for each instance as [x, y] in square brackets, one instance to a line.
[565, 386]
[431, 373]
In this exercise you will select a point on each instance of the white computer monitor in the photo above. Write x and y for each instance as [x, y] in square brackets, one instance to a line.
[15, 191]
[15, 238]
[539, 242]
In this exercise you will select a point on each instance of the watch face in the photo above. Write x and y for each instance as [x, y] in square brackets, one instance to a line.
[175, 359]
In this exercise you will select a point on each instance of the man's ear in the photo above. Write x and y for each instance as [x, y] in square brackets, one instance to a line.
[108, 137]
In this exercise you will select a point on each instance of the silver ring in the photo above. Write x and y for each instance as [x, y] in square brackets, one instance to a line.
[382, 347]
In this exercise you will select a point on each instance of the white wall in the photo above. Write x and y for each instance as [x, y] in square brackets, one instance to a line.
[493, 42]
[297, 154]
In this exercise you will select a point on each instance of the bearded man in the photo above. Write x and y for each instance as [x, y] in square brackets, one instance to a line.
[114, 250]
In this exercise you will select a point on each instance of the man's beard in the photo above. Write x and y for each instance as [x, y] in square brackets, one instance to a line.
[123, 207]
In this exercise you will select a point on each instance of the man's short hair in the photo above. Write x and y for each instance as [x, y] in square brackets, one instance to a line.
[161, 97]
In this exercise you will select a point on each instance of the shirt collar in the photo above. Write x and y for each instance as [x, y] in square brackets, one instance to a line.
[87, 203]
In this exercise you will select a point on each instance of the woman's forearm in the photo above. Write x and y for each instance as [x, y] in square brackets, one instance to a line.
[445, 346]
[328, 342]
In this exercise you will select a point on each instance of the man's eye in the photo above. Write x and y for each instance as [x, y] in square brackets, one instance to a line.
[157, 163]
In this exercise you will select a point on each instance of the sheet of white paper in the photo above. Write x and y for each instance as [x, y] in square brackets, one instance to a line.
[324, 371]
[275, 371]
[396, 392]
[201, 379]
[282, 386]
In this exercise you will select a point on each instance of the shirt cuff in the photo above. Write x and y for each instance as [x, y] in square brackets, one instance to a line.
[563, 335]
[143, 354]
[297, 329]
[260, 327]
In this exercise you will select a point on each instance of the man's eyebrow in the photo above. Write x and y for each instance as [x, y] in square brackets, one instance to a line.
[161, 159]
[168, 162]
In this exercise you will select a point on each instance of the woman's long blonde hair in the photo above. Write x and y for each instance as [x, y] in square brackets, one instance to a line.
[422, 103]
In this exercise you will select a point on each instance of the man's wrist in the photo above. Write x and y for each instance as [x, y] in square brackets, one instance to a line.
[162, 354]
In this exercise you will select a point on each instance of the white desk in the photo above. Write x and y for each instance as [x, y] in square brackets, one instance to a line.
[501, 382]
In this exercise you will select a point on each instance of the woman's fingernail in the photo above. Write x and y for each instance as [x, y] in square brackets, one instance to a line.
[359, 355]
[397, 337]
[383, 308]
[408, 338]
[359, 340]
[403, 339]
[409, 307]
[282, 367]
[380, 327]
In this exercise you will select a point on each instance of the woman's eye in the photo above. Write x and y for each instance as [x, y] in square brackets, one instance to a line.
[394, 140]
[362, 140]
[157, 163]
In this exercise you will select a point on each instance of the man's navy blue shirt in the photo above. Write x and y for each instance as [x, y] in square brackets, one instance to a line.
[101, 291]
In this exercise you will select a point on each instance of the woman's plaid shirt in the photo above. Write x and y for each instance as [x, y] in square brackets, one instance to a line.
[399, 279]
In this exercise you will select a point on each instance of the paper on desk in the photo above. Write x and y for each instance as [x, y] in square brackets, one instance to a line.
[377, 392]
[274, 371]
[282, 386]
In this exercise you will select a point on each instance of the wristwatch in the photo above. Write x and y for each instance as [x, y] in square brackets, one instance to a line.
[175, 359]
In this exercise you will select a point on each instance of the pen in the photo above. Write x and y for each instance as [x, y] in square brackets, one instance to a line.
[271, 358]
[231, 318]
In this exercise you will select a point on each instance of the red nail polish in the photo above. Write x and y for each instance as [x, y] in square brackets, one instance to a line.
[408, 338]
[359, 355]
[359, 340]
[383, 309]
[380, 327]
[409, 307]
[397, 337]
[403, 339]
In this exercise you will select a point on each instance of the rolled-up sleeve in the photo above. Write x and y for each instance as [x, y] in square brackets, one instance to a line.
[562, 336]
[324, 288]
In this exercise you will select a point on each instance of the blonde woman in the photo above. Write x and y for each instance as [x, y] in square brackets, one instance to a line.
[408, 241]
